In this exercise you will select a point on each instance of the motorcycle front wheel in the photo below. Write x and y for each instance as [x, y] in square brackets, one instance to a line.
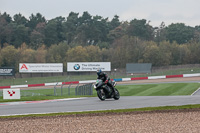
[101, 94]
[117, 95]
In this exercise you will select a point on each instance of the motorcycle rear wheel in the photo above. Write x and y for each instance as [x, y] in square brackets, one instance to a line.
[101, 94]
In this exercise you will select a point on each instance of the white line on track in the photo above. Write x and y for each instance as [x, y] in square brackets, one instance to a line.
[42, 101]
[195, 92]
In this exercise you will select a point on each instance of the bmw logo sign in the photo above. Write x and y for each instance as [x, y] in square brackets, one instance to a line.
[76, 66]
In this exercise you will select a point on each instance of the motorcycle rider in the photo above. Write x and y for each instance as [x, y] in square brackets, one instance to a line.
[105, 78]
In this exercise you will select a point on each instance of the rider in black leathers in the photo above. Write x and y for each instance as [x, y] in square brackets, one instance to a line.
[105, 78]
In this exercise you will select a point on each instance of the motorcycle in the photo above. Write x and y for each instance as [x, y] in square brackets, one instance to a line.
[104, 91]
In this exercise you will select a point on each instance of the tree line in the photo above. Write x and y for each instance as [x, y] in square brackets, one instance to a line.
[79, 38]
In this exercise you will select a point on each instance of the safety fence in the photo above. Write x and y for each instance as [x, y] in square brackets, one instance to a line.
[86, 89]
[73, 89]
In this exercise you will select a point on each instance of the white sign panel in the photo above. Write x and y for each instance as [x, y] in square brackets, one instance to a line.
[40, 67]
[88, 66]
[11, 93]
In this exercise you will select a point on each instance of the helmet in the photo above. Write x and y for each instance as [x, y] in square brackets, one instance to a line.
[98, 71]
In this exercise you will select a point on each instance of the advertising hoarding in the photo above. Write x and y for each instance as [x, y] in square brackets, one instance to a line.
[88, 66]
[11, 93]
[40, 67]
[7, 71]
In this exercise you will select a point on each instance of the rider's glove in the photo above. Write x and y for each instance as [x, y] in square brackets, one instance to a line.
[106, 81]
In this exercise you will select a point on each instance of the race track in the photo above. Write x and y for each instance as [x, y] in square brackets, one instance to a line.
[91, 104]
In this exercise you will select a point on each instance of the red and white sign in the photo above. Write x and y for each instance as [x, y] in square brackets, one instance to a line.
[23, 67]
[11, 93]
[40, 67]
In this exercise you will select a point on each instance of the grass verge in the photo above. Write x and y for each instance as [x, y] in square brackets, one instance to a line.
[164, 89]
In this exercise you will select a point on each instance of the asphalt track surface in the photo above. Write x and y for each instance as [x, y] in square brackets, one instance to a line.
[92, 104]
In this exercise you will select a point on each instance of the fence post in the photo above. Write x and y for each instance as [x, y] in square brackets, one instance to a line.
[62, 89]
[91, 89]
[55, 89]
[76, 89]
[69, 89]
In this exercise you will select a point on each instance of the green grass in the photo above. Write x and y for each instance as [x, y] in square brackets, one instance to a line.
[165, 89]
[168, 89]
[197, 106]
[175, 72]
[38, 80]
[44, 94]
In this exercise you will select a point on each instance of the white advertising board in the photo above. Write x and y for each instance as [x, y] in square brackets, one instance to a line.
[88, 66]
[11, 93]
[40, 67]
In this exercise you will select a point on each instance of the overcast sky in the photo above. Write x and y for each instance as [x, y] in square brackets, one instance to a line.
[155, 11]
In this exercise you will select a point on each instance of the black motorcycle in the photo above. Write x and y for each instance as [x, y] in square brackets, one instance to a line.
[105, 92]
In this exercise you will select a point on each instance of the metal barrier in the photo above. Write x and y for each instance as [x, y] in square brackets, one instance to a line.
[72, 89]
[86, 89]
[68, 92]
[61, 91]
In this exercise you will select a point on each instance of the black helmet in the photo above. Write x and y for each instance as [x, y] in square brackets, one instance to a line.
[98, 71]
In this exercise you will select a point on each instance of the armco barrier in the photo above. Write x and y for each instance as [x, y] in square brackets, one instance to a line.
[157, 77]
[19, 86]
[73, 82]
[92, 81]
[35, 85]
[191, 75]
[139, 78]
[3, 87]
[174, 76]
[117, 80]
